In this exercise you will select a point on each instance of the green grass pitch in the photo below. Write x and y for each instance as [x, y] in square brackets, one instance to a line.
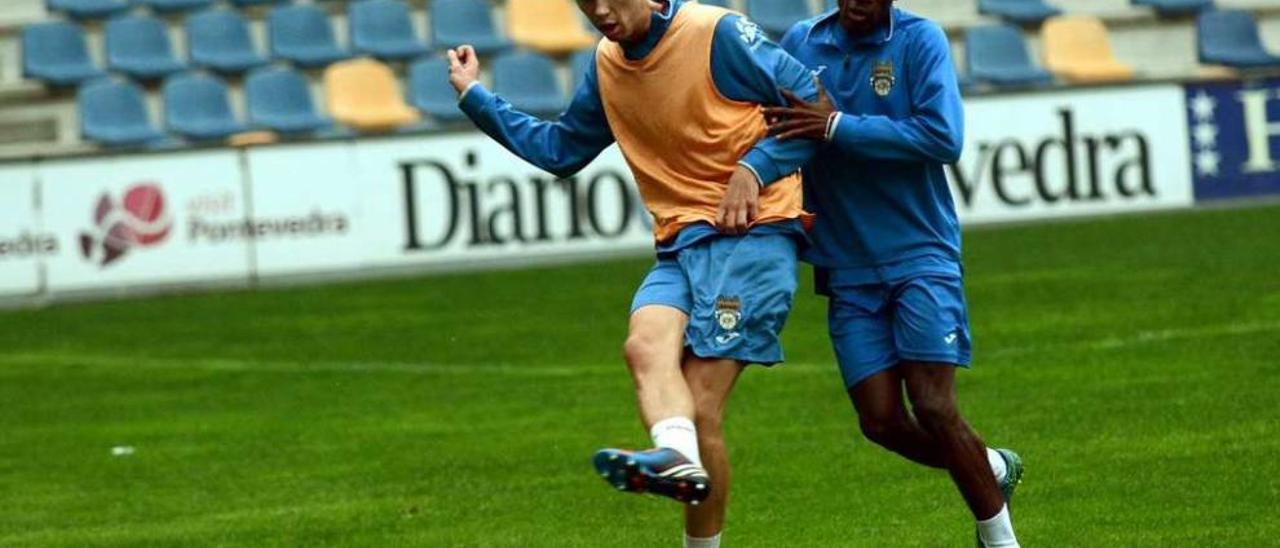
[1132, 361]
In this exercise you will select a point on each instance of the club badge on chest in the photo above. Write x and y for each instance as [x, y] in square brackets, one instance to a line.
[882, 78]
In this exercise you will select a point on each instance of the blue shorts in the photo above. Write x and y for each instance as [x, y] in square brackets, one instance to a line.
[736, 290]
[874, 327]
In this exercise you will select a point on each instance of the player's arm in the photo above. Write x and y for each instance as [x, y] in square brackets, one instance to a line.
[746, 66]
[562, 147]
[933, 133]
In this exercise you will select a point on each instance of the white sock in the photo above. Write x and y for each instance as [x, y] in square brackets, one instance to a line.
[678, 433]
[998, 466]
[695, 542]
[997, 532]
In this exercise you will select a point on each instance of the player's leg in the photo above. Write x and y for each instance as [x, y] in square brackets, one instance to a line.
[931, 388]
[654, 354]
[884, 419]
[711, 381]
[860, 321]
[932, 336]
[654, 351]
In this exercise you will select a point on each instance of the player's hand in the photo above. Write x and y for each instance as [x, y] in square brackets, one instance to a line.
[801, 120]
[741, 203]
[464, 67]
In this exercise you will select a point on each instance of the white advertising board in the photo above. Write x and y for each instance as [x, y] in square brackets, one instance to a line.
[306, 209]
[22, 243]
[1084, 152]
[145, 220]
[463, 198]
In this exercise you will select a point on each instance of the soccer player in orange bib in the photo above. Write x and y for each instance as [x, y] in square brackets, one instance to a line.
[679, 87]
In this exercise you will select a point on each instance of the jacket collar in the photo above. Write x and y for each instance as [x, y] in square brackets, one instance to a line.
[658, 26]
[827, 31]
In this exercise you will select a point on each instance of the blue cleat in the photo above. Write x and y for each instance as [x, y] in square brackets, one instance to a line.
[659, 471]
[1012, 479]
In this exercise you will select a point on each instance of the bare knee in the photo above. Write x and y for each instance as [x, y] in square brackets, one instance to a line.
[883, 430]
[643, 352]
[937, 414]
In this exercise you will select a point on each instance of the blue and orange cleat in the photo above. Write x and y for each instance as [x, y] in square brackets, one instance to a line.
[660, 471]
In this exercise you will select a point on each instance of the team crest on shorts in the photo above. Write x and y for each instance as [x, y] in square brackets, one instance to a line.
[728, 312]
[882, 78]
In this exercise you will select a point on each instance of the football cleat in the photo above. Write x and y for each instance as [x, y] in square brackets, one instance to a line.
[660, 471]
[1012, 479]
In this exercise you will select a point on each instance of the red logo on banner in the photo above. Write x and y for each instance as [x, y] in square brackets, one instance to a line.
[138, 221]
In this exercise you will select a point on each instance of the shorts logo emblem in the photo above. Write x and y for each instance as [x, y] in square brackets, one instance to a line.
[728, 312]
[882, 79]
[951, 339]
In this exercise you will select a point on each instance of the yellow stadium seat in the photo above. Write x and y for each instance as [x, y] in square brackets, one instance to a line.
[364, 94]
[1078, 49]
[549, 26]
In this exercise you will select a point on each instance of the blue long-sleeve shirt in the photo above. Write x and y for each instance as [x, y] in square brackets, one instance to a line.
[879, 188]
[745, 67]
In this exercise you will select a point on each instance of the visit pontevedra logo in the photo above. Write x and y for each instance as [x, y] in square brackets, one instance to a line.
[139, 220]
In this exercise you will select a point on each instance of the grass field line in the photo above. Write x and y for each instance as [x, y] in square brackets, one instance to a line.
[569, 370]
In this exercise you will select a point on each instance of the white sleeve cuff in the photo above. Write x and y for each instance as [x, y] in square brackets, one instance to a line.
[753, 171]
[832, 124]
[463, 95]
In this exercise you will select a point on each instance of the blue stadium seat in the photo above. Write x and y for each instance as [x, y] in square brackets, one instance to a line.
[998, 54]
[1023, 12]
[56, 53]
[114, 113]
[383, 29]
[89, 9]
[198, 106]
[528, 81]
[1230, 37]
[1175, 7]
[174, 6]
[458, 22]
[776, 17]
[579, 64]
[139, 46]
[430, 91]
[280, 99]
[219, 39]
[303, 34]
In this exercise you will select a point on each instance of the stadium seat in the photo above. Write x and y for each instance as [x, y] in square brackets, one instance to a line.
[777, 17]
[364, 94]
[174, 6]
[198, 106]
[458, 22]
[280, 99]
[55, 52]
[139, 46]
[384, 29]
[114, 113]
[89, 9]
[548, 26]
[219, 39]
[528, 81]
[430, 91]
[1230, 37]
[1078, 50]
[302, 34]
[1175, 7]
[1023, 12]
[997, 54]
